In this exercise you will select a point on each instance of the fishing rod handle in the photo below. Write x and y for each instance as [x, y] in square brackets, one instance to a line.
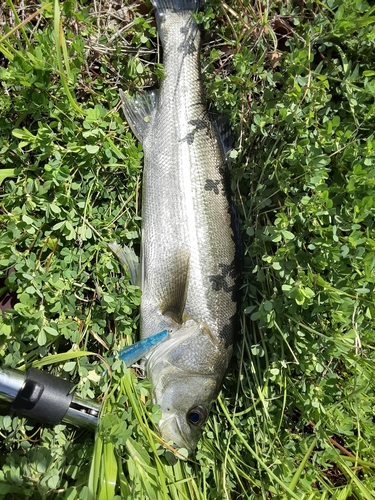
[46, 398]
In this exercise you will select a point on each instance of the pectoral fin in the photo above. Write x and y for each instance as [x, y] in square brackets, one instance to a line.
[174, 295]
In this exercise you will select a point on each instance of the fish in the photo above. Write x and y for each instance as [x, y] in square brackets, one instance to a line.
[188, 272]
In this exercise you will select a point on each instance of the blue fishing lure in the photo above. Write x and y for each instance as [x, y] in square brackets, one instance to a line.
[133, 353]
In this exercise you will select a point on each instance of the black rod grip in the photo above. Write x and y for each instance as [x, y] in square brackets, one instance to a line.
[44, 397]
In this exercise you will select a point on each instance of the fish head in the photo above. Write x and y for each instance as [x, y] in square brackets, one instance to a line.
[186, 372]
[185, 404]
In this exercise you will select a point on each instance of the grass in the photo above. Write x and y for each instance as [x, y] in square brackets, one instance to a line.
[296, 80]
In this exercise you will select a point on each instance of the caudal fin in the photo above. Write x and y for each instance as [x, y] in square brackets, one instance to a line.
[176, 5]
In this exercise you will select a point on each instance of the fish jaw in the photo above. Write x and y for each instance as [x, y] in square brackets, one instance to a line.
[174, 426]
[186, 372]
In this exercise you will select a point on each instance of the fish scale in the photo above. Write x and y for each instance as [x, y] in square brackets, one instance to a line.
[187, 247]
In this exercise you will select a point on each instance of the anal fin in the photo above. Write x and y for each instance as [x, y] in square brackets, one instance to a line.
[128, 259]
[138, 111]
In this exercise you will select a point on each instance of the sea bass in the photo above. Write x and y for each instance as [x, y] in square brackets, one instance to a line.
[188, 274]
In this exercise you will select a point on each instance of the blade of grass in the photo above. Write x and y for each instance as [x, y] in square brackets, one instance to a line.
[60, 42]
[66, 356]
[302, 465]
[144, 467]
[7, 53]
[95, 467]
[255, 455]
[357, 483]
[125, 490]
[182, 483]
[108, 474]
[19, 24]
[129, 390]
[65, 53]
[363, 463]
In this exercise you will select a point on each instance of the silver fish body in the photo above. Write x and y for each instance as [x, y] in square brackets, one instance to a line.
[188, 275]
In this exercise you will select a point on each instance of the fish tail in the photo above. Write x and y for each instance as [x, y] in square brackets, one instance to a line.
[176, 5]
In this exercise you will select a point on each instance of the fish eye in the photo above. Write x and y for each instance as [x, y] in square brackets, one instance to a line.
[197, 415]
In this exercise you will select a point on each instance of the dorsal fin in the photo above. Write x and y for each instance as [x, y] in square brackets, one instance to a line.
[222, 127]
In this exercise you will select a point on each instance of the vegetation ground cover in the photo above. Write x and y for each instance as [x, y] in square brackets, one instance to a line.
[296, 81]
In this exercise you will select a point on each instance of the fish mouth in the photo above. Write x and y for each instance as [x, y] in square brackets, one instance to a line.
[171, 430]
